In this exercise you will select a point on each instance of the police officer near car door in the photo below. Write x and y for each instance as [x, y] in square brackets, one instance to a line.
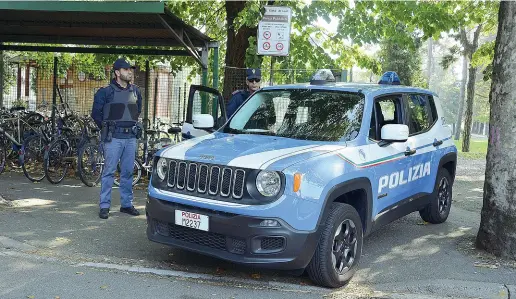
[116, 108]
[238, 97]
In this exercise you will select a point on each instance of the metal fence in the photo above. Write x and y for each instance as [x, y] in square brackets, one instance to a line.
[31, 84]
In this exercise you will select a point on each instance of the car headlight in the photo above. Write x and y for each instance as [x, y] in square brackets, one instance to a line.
[268, 183]
[161, 168]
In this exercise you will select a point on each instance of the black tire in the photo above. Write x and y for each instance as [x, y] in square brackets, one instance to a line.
[3, 157]
[322, 269]
[56, 165]
[33, 150]
[90, 164]
[137, 173]
[438, 209]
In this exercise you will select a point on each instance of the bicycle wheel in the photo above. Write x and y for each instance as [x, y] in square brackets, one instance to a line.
[56, 164]
[90, 164]
[32, 158]
[137, 173]
[3, 156]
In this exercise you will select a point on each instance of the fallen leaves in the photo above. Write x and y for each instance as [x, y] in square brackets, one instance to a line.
[256, 275]
[422, 223]
[79, 273]
[486, 265]
[103, 287]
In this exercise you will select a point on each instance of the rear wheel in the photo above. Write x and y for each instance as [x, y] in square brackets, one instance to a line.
[33, 151]
[3, 156]
[337, 255]
[56, 161]
[90, 164]
[438, 209]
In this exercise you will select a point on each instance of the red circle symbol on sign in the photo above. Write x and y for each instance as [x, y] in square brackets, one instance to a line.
[267, 34]
[266, 45]
[279, 46]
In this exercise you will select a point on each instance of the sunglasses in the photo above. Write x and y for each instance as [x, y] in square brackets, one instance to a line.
[254, 80]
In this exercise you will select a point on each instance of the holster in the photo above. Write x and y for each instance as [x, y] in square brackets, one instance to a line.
[106, 133]
[138, 130]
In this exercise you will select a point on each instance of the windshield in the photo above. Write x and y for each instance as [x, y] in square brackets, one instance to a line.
[324, 115]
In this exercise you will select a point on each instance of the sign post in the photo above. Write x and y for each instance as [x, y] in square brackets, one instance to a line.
[274, 33]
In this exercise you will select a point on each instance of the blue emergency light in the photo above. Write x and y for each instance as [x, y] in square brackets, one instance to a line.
[390, 78]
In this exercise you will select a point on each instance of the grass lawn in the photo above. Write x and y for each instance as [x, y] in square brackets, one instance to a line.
[477, 149]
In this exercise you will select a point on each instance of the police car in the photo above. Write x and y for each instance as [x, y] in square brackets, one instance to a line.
[300, 174]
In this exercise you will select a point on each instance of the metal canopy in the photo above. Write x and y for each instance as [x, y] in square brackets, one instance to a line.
[120, 23]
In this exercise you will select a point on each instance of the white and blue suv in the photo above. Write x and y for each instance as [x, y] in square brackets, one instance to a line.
[301, 173]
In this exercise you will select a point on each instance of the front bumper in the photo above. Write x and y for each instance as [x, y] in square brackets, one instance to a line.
[232, 237]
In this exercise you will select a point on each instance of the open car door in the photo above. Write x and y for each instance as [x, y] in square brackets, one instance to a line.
[214, 106]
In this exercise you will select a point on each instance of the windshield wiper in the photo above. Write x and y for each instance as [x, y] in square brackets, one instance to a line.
[258, 132]
[235, 131]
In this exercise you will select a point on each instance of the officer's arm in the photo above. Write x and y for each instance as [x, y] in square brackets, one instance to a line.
[139, 101]
[233, 104]
[98, 106]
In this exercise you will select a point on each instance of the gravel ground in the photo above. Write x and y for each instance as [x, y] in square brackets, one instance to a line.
[469, 184]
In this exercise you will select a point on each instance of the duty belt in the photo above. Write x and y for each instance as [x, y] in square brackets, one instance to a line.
[123, 130]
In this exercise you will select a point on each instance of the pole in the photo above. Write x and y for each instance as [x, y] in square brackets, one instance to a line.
[184, 104]
[215, 79]
[155, 106]
[270, 79]
[1, 78]
[179, 106]
[54, 95]
[146, 102]
[204, 100]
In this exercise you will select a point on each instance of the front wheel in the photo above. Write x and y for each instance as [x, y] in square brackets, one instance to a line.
[137, 173]
[438, 209]
[337, 255]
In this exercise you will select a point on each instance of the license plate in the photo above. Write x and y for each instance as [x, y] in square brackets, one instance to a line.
[192, 220]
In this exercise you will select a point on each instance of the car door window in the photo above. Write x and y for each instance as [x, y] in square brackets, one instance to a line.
[387, 110]
[420, 116]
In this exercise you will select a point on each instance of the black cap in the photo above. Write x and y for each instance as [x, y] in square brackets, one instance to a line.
[254, 74]
[122, 63]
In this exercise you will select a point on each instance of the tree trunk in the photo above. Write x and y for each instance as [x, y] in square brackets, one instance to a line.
[497, 233]
[237, 44]
[471, 48]
[430, 62]
[468, 115]
[461, 97]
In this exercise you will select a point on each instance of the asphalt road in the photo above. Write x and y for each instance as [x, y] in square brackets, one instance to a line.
[407, 256]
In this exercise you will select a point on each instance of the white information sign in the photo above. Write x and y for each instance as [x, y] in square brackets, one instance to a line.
[274, 31]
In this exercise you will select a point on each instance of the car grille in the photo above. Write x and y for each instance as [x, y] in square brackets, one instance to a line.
[273, 243]
[213, 180]
[208, 239]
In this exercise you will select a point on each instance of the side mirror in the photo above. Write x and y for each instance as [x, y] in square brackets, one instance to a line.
[395, 133]
[203, 121]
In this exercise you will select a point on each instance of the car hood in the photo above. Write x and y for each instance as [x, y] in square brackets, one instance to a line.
[248, 151]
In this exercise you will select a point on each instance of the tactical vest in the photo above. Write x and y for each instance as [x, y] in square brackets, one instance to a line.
[123, 109]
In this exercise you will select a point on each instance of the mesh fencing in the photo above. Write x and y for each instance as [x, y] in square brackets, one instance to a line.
[31, 85]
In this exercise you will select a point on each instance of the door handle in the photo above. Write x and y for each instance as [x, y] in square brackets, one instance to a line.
[437, 143]
[410, 152]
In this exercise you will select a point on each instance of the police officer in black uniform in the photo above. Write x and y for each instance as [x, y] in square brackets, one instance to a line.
[238, 97]
[116, 108]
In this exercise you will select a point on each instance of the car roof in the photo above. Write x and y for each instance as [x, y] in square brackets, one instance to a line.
[365, 88]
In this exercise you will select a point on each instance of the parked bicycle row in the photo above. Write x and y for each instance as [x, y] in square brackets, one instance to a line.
[68, 146]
